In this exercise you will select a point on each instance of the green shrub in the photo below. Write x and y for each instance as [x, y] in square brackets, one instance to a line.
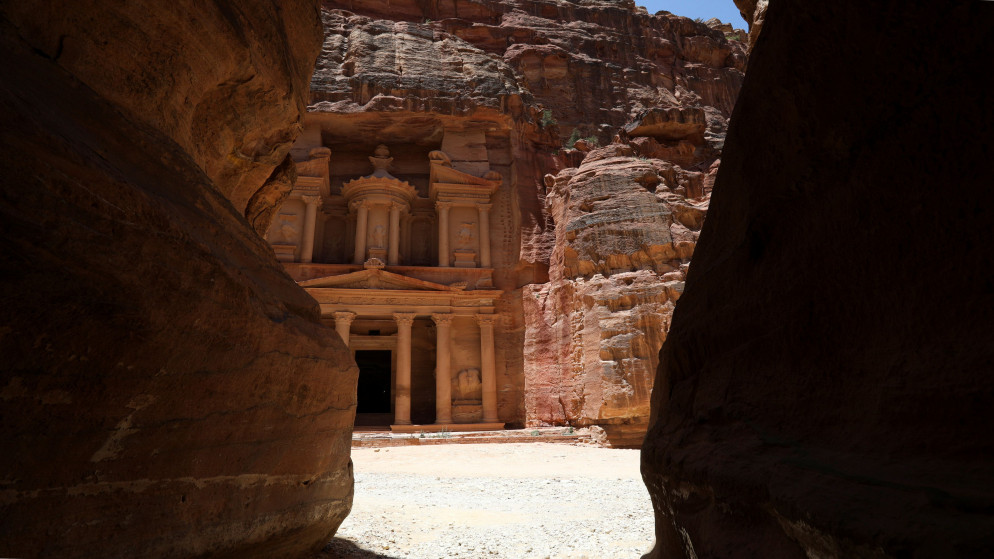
[547, 120]
[575, 135]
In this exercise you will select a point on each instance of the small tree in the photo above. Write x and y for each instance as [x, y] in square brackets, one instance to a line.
[547, 120]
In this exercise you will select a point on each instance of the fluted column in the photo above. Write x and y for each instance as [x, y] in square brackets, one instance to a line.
[488, 366]
[484, 210]
[310, 221]
[402, 395]
[362, 215]
[443, 372]
[443, 233]
[343, 324]
[393, 253]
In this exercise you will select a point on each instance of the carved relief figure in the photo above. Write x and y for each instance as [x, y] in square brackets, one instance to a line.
[379, 237]
[286, 230]
[464, 235]
[468, 385]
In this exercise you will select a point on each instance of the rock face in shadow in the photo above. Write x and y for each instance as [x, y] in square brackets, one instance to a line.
[166, 389]
[227, 82]
[825, 389]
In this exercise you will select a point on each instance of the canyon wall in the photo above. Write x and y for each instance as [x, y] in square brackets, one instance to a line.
[825, 390]
[166, 388]
[529, 88]
[625, 232]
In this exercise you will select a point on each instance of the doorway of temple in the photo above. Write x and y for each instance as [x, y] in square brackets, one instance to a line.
[373, 398]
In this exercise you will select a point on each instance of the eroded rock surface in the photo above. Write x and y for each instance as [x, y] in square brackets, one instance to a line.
[825, 389]
[509, 86]
[166, 389]
[625, 233]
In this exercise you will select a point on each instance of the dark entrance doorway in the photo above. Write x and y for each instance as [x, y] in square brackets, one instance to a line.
[373, 393]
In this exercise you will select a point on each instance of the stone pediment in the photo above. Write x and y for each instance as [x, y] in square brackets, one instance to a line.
[378, 279]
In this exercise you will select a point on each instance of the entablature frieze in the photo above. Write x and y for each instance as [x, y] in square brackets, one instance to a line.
[418, 298]
[388, 311]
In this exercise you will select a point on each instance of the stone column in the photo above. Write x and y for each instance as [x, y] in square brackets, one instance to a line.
[484, 210]
[362, 214]
[343, 324]
[443, 372]
[443, 233]
[310, 220]
[402, 396]
[393, 253]
[488, 367]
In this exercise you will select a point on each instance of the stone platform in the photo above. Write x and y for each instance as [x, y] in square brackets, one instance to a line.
[376, 437]
[436, 427]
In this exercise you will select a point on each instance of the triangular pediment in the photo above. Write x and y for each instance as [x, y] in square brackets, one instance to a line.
[377, 279]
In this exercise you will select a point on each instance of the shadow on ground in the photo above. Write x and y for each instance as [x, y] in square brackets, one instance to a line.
[339, 547]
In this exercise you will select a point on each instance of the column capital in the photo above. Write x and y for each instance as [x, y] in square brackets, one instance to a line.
[442, 319]
[359, 204]
[489, 319]
[311, 200]
[404, 318]
[398, 206]
[484, 207]
[345, 316]
[443, 206]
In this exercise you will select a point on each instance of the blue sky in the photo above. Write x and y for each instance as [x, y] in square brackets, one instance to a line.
[724, 10]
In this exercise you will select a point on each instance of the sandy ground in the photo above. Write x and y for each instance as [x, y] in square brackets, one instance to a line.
[509, 501]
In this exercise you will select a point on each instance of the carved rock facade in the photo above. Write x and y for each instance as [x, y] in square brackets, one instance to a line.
[425, 151]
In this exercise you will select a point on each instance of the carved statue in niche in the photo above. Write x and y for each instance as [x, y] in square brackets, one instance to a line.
[286, 230]
[379, 237]
[468, 385]
[464, 235]
[381, 161]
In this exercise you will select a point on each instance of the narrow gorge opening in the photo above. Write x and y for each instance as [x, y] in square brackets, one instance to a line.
[495, 203]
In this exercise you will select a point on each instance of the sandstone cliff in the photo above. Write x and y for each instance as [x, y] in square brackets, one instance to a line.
[166, 389]
[625, 233]
[825, 390]
[510, 86]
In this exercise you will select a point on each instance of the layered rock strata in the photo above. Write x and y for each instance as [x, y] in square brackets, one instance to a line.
[825, 388]
[166, 389]
[506, 86]
[625, 233]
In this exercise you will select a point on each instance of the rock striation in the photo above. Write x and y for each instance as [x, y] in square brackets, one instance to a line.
[166, 389]
[825, 388]
[625, 233]
[529, 89]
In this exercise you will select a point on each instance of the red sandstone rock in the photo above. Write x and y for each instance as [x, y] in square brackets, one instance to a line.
[754, 12]
[818, 394]
[509, 82]
[227, 82]
[165, 388]
[624, 238]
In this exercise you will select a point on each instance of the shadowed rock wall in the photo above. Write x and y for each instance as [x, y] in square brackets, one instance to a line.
[825, 390]
[166, 390]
